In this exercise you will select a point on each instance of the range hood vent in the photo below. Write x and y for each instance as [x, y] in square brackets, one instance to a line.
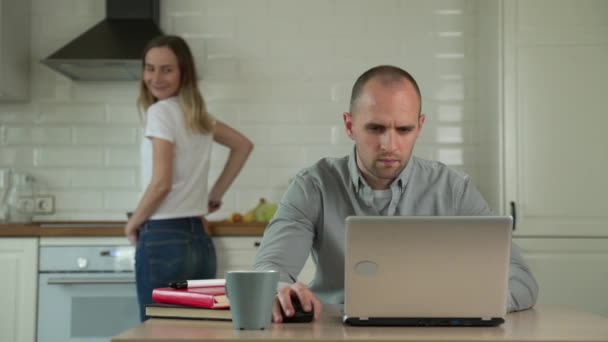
[110, 50]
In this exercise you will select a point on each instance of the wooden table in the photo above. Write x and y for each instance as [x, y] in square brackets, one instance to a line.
[538, 324]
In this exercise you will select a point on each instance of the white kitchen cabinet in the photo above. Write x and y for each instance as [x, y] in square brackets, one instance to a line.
[238, 253]
[571, 272]
[18, 289]
[555, 72]
[555, 65]
[234, 253]
[14, 50]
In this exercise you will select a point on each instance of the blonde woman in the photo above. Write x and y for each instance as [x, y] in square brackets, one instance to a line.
[167, 226]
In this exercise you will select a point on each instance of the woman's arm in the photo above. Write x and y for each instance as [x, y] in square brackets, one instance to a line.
[157, 190]
[240, 148]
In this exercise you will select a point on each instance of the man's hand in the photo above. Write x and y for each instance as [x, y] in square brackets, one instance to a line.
[284, 297]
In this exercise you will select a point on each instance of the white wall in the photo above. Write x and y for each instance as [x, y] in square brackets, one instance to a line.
[488, 72]
[278, 70]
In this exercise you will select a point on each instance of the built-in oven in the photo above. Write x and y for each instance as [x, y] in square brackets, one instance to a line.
[86, 293]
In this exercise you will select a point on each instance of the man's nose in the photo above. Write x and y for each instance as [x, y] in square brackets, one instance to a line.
[388, 141]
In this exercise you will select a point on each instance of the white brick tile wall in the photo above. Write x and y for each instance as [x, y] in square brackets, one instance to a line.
[121, 156]
[103, 178]
[450, 113]
[362, 8]
[277, 156]
[335, 26]
[290, 134]
[120, 114]
[216, 47]
[18, 156]
[119, 200]
[38, 135]
[268, 112]
[322, 113]
[68, 156]
[208, 26]
[255, 178]
[72, 114]
[58, 178]
[105, 135]
[280, 71]
[78, 199]
[238, 7]
[105, 92]
[221, 69]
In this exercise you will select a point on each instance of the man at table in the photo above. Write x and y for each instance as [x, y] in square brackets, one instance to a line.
[379, 177]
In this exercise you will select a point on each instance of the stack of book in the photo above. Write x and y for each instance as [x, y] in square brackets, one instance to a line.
[204, 300]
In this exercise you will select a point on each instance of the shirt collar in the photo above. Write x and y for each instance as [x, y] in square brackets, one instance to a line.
[359, 182]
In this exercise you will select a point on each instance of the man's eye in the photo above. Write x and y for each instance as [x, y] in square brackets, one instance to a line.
[375, 129]
[404, 130]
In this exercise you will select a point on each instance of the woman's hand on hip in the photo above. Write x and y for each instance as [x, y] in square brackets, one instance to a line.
[132, 234]
[213, 205]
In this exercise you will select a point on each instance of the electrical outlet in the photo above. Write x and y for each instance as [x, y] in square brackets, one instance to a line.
[45, 204]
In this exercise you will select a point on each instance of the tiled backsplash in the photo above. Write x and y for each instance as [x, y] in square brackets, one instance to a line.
[278, 70]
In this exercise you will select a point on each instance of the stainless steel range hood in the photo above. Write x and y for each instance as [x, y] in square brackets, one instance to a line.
[110, 50]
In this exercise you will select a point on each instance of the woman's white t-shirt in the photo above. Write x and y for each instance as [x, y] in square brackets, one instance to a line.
[191, 159]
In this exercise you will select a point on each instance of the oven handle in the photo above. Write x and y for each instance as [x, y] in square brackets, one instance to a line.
[76, 280]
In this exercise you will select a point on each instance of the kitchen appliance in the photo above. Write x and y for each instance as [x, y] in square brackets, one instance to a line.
[85, 293]
[111, 50]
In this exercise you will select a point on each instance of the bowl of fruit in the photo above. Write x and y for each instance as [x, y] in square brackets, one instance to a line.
[263, 212]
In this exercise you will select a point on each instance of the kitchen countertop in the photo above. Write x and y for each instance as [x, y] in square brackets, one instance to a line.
[114, 228]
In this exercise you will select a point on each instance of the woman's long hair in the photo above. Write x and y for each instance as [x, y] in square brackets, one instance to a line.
[190, 99]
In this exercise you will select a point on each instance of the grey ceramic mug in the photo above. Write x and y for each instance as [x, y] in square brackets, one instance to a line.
[251, 295]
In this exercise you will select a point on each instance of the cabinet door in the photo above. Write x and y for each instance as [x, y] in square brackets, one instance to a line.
[556, 67]
[235, 253]
[14, 49]
[18, 290]
[238, 253]
[570, 272]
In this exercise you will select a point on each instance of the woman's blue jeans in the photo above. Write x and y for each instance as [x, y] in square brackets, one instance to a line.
[171, 249]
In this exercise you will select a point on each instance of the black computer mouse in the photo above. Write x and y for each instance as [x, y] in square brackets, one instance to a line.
[300, 316]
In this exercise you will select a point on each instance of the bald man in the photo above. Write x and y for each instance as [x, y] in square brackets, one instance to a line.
[379, 177]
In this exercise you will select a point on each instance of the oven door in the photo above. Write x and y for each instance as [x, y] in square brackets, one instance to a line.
[87, 307]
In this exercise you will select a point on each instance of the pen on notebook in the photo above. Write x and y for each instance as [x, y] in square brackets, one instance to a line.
[184, 284]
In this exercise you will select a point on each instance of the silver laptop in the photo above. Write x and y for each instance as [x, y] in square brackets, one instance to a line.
[426, 270]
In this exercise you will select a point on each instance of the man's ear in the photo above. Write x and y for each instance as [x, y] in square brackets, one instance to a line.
[348, 124]
[421, 119]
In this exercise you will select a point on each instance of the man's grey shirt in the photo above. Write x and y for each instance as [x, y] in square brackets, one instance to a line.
[311, 215]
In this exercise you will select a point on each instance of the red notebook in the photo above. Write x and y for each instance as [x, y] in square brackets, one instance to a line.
[212, 297]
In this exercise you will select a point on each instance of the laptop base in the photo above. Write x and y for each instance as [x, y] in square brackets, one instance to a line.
[422, 322]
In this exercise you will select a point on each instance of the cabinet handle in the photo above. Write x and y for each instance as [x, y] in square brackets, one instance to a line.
[513, 214]
[85, 280]
[256, 244]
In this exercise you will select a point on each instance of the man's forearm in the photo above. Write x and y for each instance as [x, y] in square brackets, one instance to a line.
[523, 288]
